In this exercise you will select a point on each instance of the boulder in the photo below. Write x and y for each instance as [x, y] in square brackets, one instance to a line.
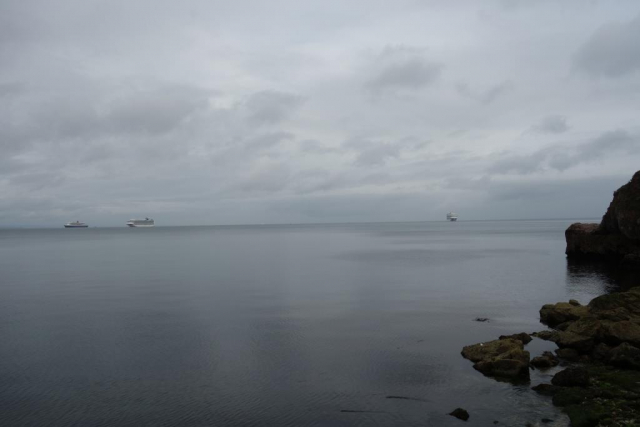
[546, 335]
[569, 354]
[504, 358]
[620, 332]
[625, 356]
[522, 336]
[460, 413]
[556, 314]
[571, 377]
[546, 360]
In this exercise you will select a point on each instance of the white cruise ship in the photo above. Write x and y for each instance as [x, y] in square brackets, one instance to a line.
[147, 222]
[76, 224]
[452, 216]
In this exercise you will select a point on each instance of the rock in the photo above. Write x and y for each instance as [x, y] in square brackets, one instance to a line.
[617, 237]
[546, 360]
[571, 377]
[580, 343]
[522, 336]
[569, 354]
[629, 301]
[623, 215]
[601, 352]
[623, 331]
[546, 335]
[555, 314]
[625, 356]
[460, 414]
[546, 389]
[481, 319]
[504, 358]
[574, 302]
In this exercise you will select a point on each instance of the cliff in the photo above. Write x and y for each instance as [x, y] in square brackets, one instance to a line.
[617, 237]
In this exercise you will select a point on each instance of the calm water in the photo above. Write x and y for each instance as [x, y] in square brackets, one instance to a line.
[274, 325]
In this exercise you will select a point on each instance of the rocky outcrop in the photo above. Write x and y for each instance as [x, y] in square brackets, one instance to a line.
[596, 329]
[504, 358]
[617, 237]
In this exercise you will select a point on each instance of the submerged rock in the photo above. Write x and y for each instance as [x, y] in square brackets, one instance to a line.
[504, 358]
[460, 414]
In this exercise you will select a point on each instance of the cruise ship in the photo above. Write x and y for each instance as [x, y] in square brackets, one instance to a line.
[76, 224]
[147, 222]
[452, 216]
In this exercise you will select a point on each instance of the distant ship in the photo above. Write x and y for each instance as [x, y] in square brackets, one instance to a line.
[76, 224]
[452, 216]
[147, 222]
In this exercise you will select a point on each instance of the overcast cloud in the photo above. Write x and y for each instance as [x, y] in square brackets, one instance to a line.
[214, 112]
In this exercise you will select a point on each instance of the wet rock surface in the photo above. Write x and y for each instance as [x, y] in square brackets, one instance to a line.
[546, 360]
[504, 358]
[571, 377]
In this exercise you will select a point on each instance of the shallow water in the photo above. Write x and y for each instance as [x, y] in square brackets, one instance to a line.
[274, 325]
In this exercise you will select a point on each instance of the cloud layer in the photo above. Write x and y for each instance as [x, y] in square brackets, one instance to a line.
[247, 112]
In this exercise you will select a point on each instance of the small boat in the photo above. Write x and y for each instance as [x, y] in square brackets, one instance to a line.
[147, 222]
[76, 224]
[452, 216]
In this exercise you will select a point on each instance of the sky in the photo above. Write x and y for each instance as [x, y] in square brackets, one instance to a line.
[243, 112]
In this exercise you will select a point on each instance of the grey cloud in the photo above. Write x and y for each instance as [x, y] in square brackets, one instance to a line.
[485, 96]
[612, 51]
[403, 68]
[551, 124]
[372, 152]
[267, 141]
[561, 156]
[154, 111]
[271, 106]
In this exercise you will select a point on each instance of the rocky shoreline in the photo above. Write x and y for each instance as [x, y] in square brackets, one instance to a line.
[598, 343]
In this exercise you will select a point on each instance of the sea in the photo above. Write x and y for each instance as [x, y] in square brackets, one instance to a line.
[276, 325]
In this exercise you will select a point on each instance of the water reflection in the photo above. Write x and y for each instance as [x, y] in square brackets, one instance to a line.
[598, 278]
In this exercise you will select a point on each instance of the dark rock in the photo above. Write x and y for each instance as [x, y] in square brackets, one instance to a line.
[460, 414]
[623, 331]
[623, 215]
[580, 343]
[546, 420]
[564, 326]
[571, 377]
[574, 302]
[504, 358]
[546, 360]
[522, 336]
[625, 356]
[481, 319]
[601, 352]
[555, 314]
[546, 335]
[569, 354]
[617, 236]
[546, 389]
[570, 396]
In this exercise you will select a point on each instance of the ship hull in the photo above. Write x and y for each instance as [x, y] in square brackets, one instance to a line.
[76, 226]
[141, 225]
